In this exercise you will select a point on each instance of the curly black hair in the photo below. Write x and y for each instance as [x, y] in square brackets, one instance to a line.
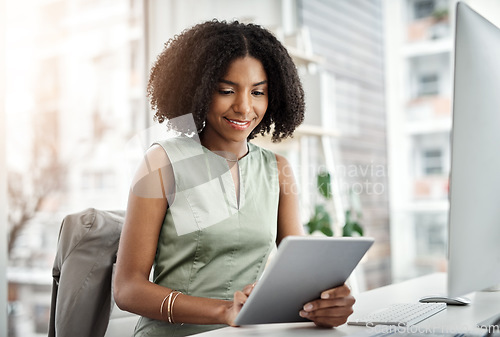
[193, 62]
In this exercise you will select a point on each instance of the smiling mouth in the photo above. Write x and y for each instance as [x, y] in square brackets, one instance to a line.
[240, 125]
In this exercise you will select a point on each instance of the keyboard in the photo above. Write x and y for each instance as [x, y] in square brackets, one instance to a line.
[404, 314]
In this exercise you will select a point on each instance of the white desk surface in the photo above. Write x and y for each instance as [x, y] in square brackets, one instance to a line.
[452, 319]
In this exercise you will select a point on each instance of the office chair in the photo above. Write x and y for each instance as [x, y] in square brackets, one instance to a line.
[82, 274]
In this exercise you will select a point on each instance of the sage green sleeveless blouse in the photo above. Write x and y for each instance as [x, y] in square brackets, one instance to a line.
[211, 245]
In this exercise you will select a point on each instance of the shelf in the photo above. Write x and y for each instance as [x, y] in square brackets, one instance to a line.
[427, 206]
[312, 130]
[430, 47]
[302, 58]
[429, 126]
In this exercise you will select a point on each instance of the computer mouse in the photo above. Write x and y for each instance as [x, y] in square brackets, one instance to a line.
[445, 299]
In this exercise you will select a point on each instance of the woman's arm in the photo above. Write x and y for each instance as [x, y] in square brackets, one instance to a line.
[288, 207]
[146, 210]
[335, 305]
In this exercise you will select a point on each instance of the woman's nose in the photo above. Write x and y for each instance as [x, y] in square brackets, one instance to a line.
[242, 104]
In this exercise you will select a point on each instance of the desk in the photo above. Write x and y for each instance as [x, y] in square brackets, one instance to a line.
[454, 318]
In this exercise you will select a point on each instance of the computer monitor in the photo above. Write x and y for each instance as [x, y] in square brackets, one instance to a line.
[474, 216]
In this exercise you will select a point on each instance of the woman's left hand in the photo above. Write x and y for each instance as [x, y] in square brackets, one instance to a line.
[332, 309]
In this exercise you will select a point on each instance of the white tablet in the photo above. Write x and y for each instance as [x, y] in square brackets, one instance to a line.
[302, 268]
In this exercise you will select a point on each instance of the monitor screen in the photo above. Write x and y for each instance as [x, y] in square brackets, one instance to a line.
[474, 221]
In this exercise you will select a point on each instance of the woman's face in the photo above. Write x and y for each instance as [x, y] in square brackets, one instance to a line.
[240, 101]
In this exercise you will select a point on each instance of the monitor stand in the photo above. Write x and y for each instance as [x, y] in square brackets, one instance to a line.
[493, 288]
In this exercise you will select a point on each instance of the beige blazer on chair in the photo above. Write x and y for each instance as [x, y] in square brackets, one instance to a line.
[82, 273]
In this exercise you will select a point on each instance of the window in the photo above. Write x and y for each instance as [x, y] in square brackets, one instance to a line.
[423, 8]
[69, 107]
[432, 162]
[428, 84]
[97, 181]
[431, 233]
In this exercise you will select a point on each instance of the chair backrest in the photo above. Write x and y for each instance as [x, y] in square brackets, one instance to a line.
[82, 273]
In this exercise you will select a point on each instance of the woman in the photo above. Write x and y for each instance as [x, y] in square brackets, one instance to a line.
[207, 210]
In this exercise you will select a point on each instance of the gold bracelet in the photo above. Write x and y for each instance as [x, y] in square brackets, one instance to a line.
[169, 306]
[171, 319]
[163, 303]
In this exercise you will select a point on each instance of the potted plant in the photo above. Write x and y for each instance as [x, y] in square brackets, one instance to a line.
[440, 27]
[322, 222]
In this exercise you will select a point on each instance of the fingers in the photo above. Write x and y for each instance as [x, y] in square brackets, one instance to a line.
[339, 296]
[329, 313]
[340, 291]
[247, 290]
[239, 299]
[333, 309]
[326, 306]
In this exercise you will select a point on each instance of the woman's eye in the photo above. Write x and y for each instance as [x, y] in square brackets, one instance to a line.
[258, 93]
[225, 91]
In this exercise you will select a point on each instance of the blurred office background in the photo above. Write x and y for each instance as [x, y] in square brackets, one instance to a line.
[378, 81]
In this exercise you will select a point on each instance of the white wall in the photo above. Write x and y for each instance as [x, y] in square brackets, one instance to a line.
[3, 181]
[167, 18]
[490, 9]
[398, 53]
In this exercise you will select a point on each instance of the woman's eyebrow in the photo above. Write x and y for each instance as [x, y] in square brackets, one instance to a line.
[233, 83]
[260, 83]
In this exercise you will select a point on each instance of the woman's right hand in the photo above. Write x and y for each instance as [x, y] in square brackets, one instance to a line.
[239, 299]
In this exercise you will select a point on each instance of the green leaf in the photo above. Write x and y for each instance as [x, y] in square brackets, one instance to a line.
[318, 209]
[324, 219]
[327, 231]
[324, 184]
[320, 221]
[356, 227]
[311, 226]
[347, 216]
[352, 227]
[347, 230]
